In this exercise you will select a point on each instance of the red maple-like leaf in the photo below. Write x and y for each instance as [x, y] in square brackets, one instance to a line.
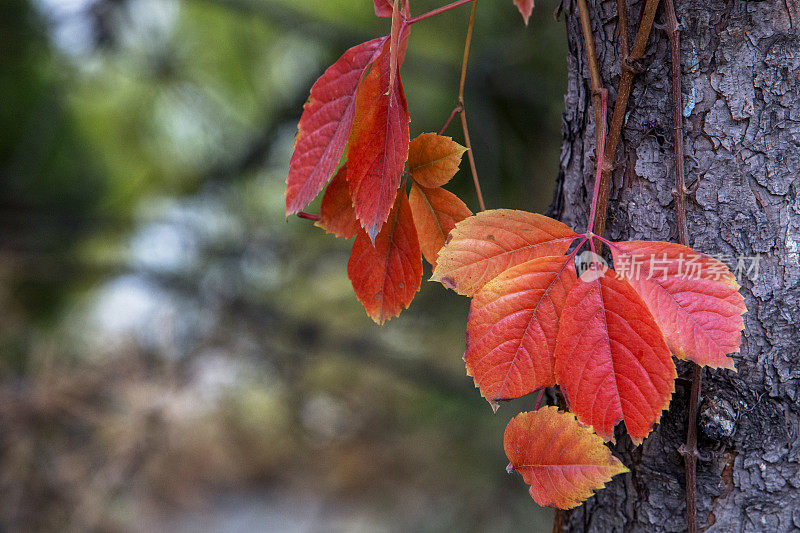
[611, 359]
[563, 461]
[387, 275]
[482, 246]
[325, 124]
[336, 213]
[436, 212]
[525, 9]
[693, 297]
[378, 145]
[512, 327]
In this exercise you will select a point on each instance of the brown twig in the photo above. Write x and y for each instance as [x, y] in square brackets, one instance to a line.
[677, 121]
[622, 23]
[463, 111]
[594, 70]
[620, 107]
[689, 451]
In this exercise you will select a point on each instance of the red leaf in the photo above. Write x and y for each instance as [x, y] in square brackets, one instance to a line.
[436, 212]
[525, 9]
[482, 246]
[336, 213]
[386, 276]
[378, 145]
[325, 125]
[383, 8]
[611, 359]
[563, 461]
[434, 159]
[693, 297]
[512, 327]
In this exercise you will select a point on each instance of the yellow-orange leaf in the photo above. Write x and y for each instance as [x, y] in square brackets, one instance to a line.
[436, 212]
[336, 213]
[562, 460]
[433, 159]
[386, 276]
[480, 247]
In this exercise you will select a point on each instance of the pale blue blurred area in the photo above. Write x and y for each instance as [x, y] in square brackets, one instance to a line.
[176, 355]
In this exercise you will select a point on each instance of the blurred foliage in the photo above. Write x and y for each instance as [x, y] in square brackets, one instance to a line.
[172, 352]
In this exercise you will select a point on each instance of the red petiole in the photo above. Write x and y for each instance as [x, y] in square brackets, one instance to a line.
[438, 10]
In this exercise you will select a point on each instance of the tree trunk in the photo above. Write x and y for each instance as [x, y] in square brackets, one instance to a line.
[741, 73]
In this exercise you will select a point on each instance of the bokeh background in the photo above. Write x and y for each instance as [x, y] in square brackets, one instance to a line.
[177, 356]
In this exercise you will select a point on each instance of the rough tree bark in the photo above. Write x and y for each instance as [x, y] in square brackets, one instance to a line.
[741, 61]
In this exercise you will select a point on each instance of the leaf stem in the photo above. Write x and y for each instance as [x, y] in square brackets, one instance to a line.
[539, 399]
[456, 109]
[438, 10]
[605, 241]
[690, 450]
[602, 110]
[459, 108]
[307, 216]
[620, 107]
[463, 111]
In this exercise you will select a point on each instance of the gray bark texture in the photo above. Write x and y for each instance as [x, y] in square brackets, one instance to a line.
[741, 62]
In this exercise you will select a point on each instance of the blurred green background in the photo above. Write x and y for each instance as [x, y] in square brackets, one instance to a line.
[175, 354]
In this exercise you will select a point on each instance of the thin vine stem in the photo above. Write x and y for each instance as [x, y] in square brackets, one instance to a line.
[599, 150]
[456, 109]
[622, 23]
[594, 70]
[459, 108]
[463, 110]
[689, 451]
[438, 10]
[620, 108]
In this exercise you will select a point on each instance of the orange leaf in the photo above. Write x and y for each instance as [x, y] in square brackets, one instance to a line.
[325, 125]
[512, 327]
[525, 9]
[693, 297]
[336, 213]
[386, 276]
[562, 460]
[436, 212]
[433, 159]
[611, 359]
[482, 246]
[378, 145]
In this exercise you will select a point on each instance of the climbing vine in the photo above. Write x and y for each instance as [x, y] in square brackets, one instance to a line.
[547, 310]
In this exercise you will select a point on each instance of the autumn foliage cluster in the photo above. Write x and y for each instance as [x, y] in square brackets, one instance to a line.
[605, 336]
